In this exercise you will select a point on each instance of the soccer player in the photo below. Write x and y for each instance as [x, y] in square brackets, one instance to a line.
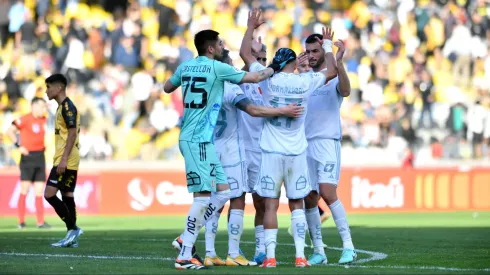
[252, 127]
[229, 146]
[283, 143]
[324, 132]
[63, 175]
[203, 81]
[31, 128]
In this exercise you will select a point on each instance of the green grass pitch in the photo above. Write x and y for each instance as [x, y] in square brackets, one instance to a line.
[422, 243]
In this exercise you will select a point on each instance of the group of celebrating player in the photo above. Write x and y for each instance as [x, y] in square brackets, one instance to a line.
[250, 138]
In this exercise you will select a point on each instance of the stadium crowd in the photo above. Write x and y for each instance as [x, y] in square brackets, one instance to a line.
[419, 70]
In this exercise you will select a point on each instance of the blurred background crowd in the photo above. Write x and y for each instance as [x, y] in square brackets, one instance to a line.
[419, 70]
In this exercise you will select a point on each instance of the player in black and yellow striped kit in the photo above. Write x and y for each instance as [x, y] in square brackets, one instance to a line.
[63, 176]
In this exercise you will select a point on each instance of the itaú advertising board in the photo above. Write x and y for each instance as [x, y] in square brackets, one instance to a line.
[366, 190]
[361, 190]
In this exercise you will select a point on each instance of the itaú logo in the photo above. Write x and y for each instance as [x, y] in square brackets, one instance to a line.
[144, 194]
[377, 195]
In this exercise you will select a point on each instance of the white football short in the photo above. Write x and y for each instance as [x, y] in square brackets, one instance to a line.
[253, 166]
[237, 179]
[276, 169]
[323, 162]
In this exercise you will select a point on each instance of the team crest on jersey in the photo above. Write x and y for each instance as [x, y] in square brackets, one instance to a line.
[330, 170]
[233, 183]
[35, 128]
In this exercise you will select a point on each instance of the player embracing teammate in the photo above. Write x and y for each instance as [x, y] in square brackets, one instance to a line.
[283, 141]
[306, 160]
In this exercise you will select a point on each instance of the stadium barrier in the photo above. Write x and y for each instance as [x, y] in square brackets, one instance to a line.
[143, 192]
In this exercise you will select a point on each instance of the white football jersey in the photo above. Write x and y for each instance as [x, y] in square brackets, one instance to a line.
[285, 135]
[227, 140]
[252, 126]
[323, 117]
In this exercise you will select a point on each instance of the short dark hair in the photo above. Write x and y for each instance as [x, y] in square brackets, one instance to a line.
[203, 39]
[37, 99]
[312, 38]
[224, 56]
[57, 78]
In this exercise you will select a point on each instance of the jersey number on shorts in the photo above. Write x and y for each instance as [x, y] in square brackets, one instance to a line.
[221, 123]
[274, 102]
[191, 82]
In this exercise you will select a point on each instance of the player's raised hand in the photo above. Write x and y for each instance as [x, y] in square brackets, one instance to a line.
[327, 34]
[293, 110]
[257, 45]
[254, 19]
[341, 49]
[302, 62]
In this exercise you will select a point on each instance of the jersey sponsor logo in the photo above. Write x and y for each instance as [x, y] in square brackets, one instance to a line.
[377, 195]
[330, 170]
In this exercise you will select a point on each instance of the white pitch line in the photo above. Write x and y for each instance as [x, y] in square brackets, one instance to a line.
[373, 256]
[104, 257]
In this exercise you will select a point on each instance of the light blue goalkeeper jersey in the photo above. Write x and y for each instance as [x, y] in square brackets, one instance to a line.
[202, 81]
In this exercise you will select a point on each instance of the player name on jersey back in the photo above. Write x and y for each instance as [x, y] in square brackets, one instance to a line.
[202, 81]
[285, 135]
[323, 117]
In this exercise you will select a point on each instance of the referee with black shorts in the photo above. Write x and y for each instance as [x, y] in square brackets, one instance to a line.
[31, 129]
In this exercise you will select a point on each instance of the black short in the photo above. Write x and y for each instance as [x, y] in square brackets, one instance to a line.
[65, 182]
[477, 138]
[33, 167]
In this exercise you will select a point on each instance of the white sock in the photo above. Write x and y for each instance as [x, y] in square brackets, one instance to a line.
[194, 219]
[298, 224]
[270, 242]
[211, 230]
[338, 214]
[315, 227]
[235, 230]
[259, 240]
[218, 199]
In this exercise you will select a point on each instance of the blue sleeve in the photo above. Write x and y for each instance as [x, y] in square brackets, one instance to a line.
[175, 79]
[226, 72]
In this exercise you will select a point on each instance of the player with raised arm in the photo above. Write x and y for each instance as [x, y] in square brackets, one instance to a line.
[203, 81]
[229, 146]
[31, 130]
[283, 142]
[63, 175]
[324, 132]
[252, 127]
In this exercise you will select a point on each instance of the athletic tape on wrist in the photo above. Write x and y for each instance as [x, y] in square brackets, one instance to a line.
[327, 46]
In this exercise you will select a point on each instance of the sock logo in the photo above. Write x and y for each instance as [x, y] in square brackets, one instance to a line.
[301, 230]
[318, 232]
[209, 211]
[215, 228]
[257, 243]
[191, 225]
[234, 229]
